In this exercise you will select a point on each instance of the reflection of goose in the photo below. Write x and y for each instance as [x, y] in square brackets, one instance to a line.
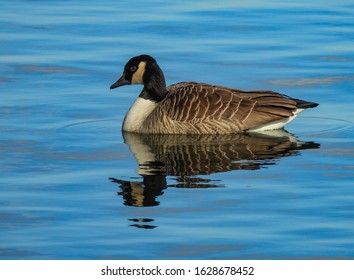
[198, 108]
[186, 155]
[189, 156]
[142, 193]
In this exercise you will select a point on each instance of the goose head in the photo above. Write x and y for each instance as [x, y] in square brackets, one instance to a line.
[143, 69]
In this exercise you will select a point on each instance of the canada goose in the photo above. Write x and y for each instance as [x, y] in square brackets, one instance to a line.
[199, 108]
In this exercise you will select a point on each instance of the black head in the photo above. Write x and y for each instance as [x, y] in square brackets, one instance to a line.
[138, 70]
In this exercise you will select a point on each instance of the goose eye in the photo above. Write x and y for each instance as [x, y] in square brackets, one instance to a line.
[133, 69]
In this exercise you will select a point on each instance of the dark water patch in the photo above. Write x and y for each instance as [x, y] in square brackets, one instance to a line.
[335, 58]
[310, 82]
[4, 80]
[20, 253]
[51, 69]
[192, 251]
[11, 220]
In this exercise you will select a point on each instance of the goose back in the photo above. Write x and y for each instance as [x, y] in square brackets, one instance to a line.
[198, 108]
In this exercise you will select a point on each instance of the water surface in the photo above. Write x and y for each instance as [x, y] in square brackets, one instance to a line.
[73, 187]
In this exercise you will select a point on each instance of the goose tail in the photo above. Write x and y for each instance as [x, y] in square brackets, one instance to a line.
[302, 104]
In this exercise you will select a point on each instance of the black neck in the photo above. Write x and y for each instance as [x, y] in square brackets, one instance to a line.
[154, 84]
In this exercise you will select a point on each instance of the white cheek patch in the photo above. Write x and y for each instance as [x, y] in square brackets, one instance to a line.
[138, 75]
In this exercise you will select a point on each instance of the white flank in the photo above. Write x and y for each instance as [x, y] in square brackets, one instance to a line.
[277, 124]
[137, 114]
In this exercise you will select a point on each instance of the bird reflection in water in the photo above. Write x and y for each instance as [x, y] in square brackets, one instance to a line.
[187, 157]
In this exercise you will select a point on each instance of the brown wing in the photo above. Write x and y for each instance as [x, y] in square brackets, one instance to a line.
[197, 103]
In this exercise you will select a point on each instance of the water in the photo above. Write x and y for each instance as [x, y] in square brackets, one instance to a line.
[71, 188]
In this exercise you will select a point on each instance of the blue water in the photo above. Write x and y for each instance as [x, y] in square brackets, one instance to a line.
[71, 186]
